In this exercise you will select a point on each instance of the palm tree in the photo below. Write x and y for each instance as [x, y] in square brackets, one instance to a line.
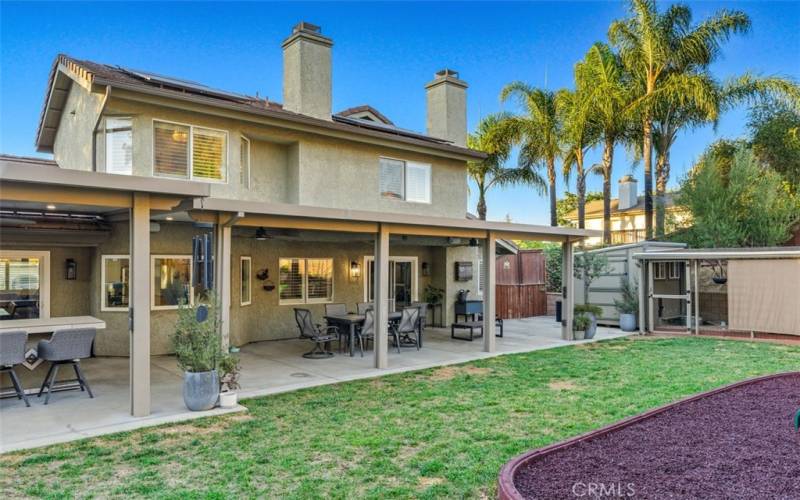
[662, 52]
[538, 130]
[578, 134]
[603, 76]
[492, 138]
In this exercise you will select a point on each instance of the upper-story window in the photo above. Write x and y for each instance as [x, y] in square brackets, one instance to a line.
[189, 152]
[405, 180]
[119, 146]
[244, 162]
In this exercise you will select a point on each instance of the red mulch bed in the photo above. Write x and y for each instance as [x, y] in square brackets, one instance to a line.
[736, 443]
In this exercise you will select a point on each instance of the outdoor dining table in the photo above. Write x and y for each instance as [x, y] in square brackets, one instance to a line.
[350, 321]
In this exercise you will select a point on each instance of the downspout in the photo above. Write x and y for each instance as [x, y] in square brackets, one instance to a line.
[97, 125]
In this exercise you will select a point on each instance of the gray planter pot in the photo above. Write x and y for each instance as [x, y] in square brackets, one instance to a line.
[592, 328]
[627, 322]
[579, 334]
[200, 390]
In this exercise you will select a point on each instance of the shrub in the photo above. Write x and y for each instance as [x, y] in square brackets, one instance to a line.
[629, 304]
[198, 344]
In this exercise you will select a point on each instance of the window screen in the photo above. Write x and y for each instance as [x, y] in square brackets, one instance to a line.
[119, 146]
[418, 182]
[391, 178]
[320, 280]
[171, 150]
[291, 280]
[244, 163]
[208, 154]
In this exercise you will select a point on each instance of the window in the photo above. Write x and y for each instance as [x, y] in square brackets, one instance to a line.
[305, 281]
[403, 180]
[119, 146]
[172, 281]
[481, 277]
[244, 163]
[246, 272]
[674, 270]
[24, 284]
[188, 152]
[115, 273]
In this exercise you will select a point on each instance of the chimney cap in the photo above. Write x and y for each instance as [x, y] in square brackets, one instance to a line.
[446, 75]
[627, 178]
[307, 31]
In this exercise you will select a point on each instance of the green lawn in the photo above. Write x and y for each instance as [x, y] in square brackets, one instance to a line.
[435, 433]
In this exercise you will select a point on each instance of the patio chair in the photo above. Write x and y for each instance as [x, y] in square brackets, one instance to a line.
[423, 313]
[321, 336]
[66, 347]
[12, 353]
[11, 310]
[367, 330]
[335, 309]
[407, 327]
[361, 307]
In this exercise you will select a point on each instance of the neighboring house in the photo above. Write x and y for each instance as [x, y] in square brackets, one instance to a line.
[627, 215]
[303, 206]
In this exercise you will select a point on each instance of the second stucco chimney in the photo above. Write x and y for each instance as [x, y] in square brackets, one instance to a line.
[307, 72]
[628, 196]
[447, 107]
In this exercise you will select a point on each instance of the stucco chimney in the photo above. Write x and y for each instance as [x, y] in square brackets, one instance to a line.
[307, 71]
[628, 196]
[447, 107]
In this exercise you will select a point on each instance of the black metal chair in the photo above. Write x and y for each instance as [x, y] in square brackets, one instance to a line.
[66, 347]
[367, 330]
[423, 314]
[406, 327]
[12, 353]
[322, 336]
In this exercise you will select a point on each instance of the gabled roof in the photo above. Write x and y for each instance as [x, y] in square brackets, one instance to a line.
[594, 208]
[67, 71]
[365, 112]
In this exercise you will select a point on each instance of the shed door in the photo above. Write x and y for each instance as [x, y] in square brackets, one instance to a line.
[764, 295]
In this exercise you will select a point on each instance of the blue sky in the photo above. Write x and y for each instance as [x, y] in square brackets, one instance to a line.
[383, 55]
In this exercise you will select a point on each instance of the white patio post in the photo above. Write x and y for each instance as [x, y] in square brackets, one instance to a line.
[381, 291]
[140, 305]
[642, 297]
[222, 277]
[568, 290]
[489, 268]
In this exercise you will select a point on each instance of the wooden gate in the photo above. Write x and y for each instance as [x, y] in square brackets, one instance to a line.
[520, 286]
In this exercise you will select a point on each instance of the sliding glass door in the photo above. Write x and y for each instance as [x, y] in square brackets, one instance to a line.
[402, 281]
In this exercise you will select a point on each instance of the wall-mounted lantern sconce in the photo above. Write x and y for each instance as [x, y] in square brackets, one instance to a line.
[355, 270]
[71, 269]
[426, 269]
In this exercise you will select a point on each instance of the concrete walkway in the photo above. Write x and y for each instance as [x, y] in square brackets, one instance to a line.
[267, 368]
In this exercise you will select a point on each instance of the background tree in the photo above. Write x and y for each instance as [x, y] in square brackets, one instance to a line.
[775, 136]
[662, 51]
[744, 207]
[602, 75]
[537, 130]
[569, 203]
[578, 134]
[494, 139]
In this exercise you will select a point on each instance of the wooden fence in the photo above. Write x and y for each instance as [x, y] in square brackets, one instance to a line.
[521, 301]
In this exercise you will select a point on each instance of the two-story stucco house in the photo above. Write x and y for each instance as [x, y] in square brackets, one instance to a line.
[304, 206]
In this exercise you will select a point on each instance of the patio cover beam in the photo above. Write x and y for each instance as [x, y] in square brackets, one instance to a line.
[381, 290]
[489, 293]
[568, 290]
[139, 310]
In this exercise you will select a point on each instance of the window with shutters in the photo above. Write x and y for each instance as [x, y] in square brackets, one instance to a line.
[119, 146]
[305, 281]
[405, 180]
[244, 163]
[188, 152]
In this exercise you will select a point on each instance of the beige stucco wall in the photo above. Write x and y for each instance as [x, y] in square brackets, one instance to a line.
[72, 147]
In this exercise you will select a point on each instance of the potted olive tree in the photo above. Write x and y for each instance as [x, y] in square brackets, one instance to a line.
[198, 349]
[588, 267]
[628, 305]
[591, 312]
[579, 325]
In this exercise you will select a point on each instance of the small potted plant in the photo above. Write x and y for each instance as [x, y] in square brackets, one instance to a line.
[198, 350]
[228, 381]
[592, 312]
[628, 305]
[579, 325]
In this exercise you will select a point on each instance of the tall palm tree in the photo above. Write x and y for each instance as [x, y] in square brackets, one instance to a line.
[603, 76]
[493, 138]
[537, 129]
[654, 47]
[578, 134]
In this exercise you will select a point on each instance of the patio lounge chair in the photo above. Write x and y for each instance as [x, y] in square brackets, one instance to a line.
[66, 347]
[407, 326]
[12, 353]
[322, 336]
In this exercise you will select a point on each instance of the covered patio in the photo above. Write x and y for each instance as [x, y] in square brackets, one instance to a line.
[268, 367]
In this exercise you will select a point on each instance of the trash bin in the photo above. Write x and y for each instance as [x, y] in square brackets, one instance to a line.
[558, 310]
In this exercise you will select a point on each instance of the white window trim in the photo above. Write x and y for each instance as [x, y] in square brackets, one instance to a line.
[191, 176]
[249, 300]
[249, 161]
[660, 271]
[103, 306]
[105, 137]
[304, 287]
[44, 276]
[394, 258]
[405, 199]
[481, 278]
[153, 306]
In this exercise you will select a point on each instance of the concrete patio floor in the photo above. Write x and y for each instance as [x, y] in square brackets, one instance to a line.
[267, 368]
